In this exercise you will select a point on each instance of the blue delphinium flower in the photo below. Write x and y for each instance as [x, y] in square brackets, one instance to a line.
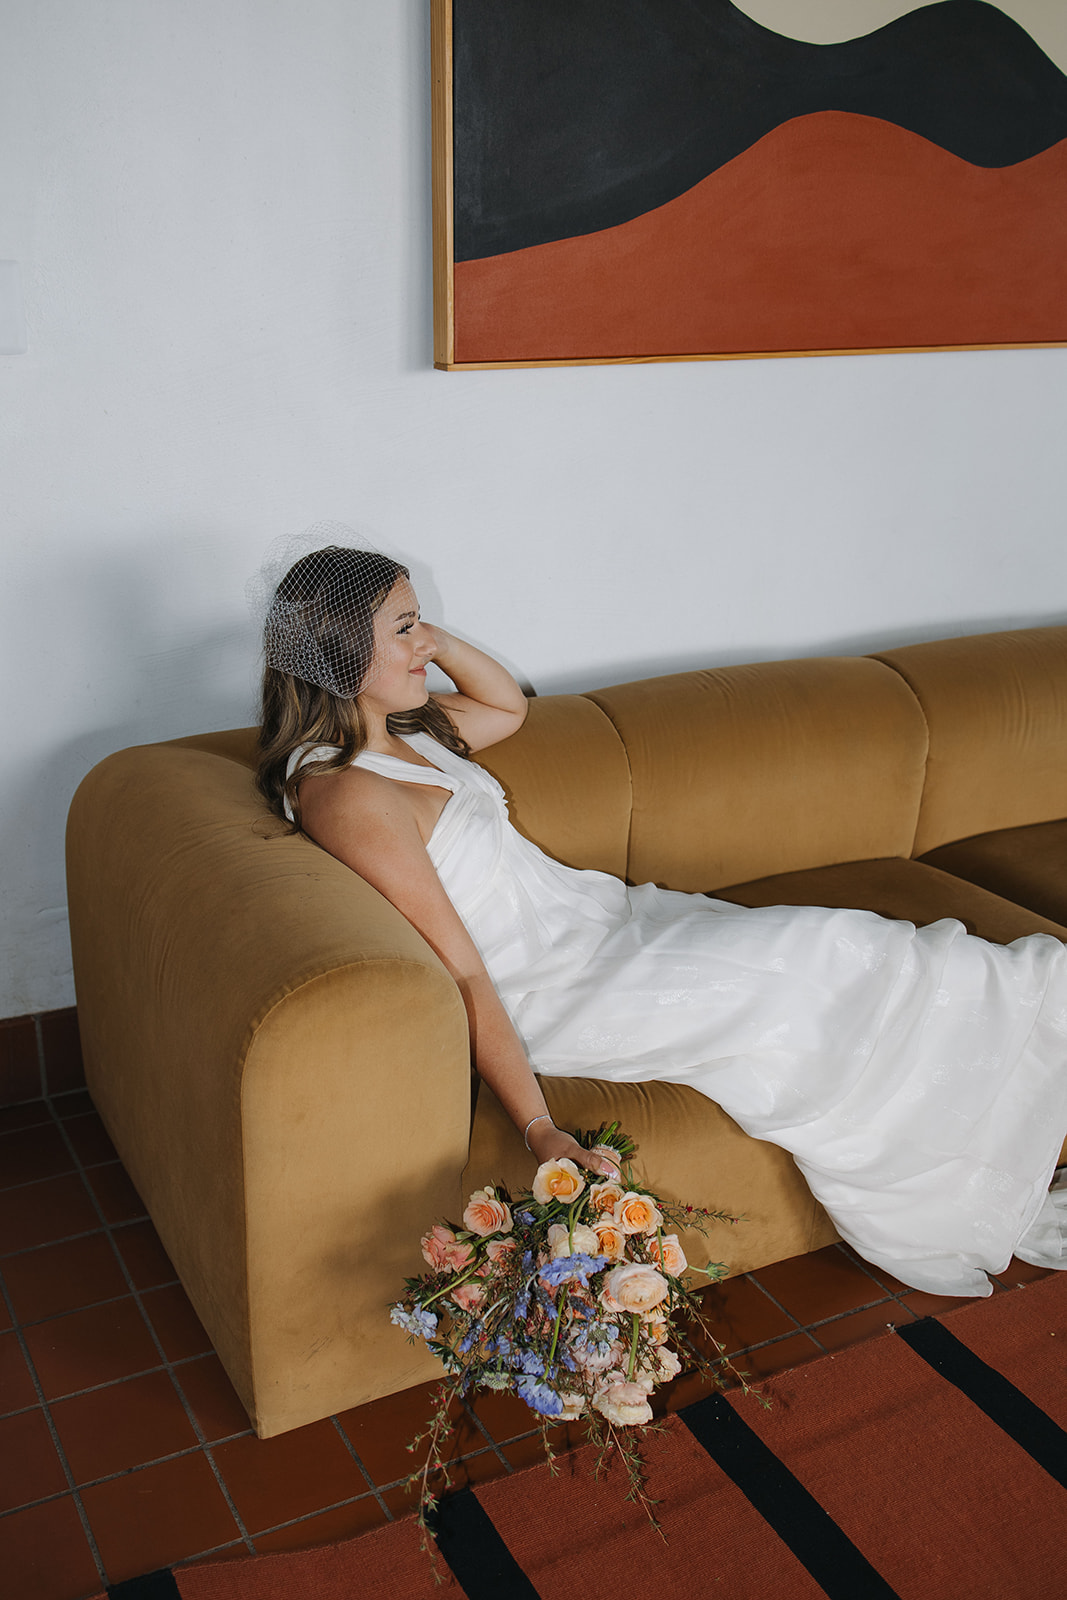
[572, 1269]
[539, 1397]
[416, 1321]
[596, 1336]
[529, 1363]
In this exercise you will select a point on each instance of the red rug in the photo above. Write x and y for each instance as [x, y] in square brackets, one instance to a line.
[927, 1464]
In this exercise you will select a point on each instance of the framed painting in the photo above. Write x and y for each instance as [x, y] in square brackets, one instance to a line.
[672, 180]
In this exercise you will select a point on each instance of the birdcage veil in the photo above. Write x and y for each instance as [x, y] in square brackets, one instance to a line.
[316, 596]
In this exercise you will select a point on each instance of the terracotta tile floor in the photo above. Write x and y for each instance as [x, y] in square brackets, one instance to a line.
[122, 1444]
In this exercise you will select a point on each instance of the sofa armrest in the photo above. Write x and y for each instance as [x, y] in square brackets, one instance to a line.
[282, 1063]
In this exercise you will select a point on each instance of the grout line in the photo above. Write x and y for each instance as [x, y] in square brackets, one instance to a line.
[93, 1305]
[128, 1377]
[46, 1244]
[480, 1425]
[204, 1555]
[858, 1261]
[357, 1458]
[798, 1326]
[336, 1505]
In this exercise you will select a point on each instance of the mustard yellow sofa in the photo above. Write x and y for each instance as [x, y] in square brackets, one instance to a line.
[282, 1062]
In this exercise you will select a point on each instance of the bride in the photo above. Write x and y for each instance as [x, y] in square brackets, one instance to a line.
[917, 1076]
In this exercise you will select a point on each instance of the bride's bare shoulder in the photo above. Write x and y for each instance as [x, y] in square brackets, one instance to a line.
[351, 795]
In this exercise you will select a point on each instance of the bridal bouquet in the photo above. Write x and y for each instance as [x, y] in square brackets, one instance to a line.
[574, 1294]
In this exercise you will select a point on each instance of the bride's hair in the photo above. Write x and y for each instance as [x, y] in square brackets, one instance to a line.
[318, 646]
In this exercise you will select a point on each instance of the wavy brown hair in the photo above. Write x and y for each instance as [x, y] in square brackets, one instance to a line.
[296, 713]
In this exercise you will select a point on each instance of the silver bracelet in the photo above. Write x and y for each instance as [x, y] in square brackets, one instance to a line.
[544, 1117]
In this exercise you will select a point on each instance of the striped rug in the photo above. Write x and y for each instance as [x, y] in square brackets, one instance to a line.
[927, 1464]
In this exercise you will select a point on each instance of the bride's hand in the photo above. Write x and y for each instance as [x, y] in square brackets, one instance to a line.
[549, 1143]
[443, 642]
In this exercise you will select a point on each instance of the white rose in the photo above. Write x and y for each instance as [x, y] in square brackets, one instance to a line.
[624, 1404]
[585, 1240]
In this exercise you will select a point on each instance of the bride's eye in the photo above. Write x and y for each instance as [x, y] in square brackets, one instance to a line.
[406, 628]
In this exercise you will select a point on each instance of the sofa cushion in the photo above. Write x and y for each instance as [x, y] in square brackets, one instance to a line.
[1028, 865]
[910, 890]
[996, 708]
[777, 767]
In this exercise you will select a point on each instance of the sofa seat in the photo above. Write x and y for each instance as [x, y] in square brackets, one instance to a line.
[1025, 864]
[911, 891]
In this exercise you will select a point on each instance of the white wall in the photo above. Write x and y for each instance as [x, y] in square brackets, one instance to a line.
[222, 215]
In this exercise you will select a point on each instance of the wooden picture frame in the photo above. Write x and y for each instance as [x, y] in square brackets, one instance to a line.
[589, 209]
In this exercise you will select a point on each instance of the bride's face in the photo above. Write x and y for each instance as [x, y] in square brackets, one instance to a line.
[402, 647]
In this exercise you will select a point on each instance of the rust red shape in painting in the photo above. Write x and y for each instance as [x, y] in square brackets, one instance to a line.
[835, 231]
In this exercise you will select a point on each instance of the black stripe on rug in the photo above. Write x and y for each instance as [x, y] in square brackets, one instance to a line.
[782, 1500]
[160, 1585]
[1001, 1401]
[481, 1562]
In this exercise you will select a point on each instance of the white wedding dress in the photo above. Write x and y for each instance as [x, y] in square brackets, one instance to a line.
[917, 1076]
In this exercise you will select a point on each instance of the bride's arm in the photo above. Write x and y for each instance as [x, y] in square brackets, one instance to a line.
[488, 704]
[367, 822]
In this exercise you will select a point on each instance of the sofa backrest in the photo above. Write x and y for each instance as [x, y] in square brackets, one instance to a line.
[741, 772]
[996, 708]
[567, 780]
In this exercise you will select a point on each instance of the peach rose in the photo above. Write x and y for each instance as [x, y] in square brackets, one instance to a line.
[667, 1365]
[499, 1249]
[656, 1329]
[633, 1287]
[659, 1366]
[669, 1254]
[557, 1180]
[635, 1213]
[610, 1238]
[468, 1296]
[624, 1404]
[441, 1249]
[485, 1214]
[605, 1196]
[585, 1240]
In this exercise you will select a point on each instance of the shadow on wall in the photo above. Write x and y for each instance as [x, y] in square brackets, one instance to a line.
[631, 671]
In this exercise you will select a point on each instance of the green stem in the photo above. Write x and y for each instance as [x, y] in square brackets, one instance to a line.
[633, 1348]
[555, 1330]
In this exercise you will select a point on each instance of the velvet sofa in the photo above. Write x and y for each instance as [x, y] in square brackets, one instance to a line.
[282, 1062]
